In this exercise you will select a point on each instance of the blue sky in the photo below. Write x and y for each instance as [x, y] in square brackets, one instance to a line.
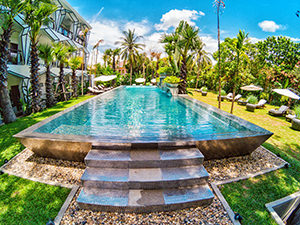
[153, 18]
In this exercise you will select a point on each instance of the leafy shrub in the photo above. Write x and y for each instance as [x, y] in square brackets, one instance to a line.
[252, 99]
[205, 89]
[297, 111]
[165, 70]
[223, 93]
[265, 95]
[172, 80]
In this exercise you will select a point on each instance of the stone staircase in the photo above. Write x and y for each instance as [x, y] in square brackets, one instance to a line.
[144, 180]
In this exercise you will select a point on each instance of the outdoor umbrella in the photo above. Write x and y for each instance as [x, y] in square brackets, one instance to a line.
[140, 80]
[251, 88]
[287, 93]
[105, 78]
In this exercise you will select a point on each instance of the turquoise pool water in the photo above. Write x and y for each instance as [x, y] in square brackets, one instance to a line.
[143, 114]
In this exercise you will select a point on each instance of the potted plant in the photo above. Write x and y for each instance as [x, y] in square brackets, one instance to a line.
[204, 91]
[172, 81]
[296, 120]
[252, 100]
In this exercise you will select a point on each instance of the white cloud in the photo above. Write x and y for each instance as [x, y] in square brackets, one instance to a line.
[254, 40]
[174, 16]
[141, 28]
[270, 26]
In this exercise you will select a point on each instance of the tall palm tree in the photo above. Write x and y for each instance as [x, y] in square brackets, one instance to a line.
[202, 59]
[62, 52]
[36, 14]
[9, 10]
[157, 56]
[115, 53]
[46, 53]
[108, 52]
[83, 34]
[240, 50]
[129, 47]
[186, 46]
[220, 5]
[75, 63]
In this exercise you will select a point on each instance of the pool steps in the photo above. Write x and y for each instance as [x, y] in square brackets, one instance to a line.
[144, 180]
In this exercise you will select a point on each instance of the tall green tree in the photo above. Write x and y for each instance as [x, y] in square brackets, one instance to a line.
[219, 5]
[74, 63]
[46, 53]
[130, 46]
[115, 53]
[240, 49]
[9, 10]
[37, 13]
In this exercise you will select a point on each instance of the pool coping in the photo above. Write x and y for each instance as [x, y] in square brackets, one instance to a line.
[29, 132]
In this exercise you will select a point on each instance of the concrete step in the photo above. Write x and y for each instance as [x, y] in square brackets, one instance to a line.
[144, 178]
[145, 158]
[144, 201]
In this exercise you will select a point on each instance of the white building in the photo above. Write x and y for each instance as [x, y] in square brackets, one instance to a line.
[65, 26]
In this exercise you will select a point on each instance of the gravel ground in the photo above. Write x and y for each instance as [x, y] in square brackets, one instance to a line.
[65, 172]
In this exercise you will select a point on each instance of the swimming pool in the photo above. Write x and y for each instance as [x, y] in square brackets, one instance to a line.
[140, 114]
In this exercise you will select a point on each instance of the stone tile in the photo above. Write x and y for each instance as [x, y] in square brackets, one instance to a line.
[188, 172]
[142, 155]
[108, 155]
[151, 174]
[105, 174]
[145, 197]
[180, 154]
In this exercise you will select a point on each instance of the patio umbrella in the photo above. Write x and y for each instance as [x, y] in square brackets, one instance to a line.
[287, 93]
[251, 88]
[105, 78]
[140, 80]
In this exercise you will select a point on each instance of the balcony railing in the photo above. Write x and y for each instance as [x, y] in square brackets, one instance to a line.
[15, 57]
[65, 32]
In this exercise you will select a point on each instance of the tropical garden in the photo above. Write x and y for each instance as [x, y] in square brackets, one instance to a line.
[270, 63]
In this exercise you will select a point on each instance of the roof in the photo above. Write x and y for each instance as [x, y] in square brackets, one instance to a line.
[69, 7]
[22, 71]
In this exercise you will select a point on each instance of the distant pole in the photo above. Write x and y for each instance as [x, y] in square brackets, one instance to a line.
[219, 4]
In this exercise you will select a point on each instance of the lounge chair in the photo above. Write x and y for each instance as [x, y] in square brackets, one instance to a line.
[95, 91]
[242, 102]
[290, 117]
[279, 112]
[226, 97]
[236, 98]
[261, 104]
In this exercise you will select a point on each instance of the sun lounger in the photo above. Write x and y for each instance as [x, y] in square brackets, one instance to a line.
[242, 102]
[226, 97]
[279, 112]
[290, 117]
[261, 104]
[95, 91]
[236, 98]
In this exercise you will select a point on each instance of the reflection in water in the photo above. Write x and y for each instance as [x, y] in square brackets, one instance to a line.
[142, 114]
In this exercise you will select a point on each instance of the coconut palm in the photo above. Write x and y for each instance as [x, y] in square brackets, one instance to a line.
[157, 56]
[240, 50]
[83, 34]
[9, 10]
[108, 52]
[46, 53]
[62, 52]
[186, 46]
[36, 14]
[129, 47]
[219, 5]
[74, 63]
[115, 53]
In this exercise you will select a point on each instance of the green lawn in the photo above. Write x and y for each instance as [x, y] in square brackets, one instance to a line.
[249, 197]
[23, 201]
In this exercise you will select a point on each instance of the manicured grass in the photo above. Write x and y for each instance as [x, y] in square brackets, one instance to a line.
[23, 201]
[249, 197]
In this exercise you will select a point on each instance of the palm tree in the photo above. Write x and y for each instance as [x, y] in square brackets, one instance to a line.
[186, 46]
[9, 10]
[108, 54]
[240, 49]
[46, 53]
[157, 56]
[220, 5]
[129, 47]
[75, 63]
[115, 53]
[202, 59]
[36, 14]
[62, 53]
[83, 34]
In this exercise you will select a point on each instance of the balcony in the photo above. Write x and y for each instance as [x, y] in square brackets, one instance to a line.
[65, 32]
[15, 57]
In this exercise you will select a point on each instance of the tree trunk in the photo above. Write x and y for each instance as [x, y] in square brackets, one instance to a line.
[62, 95]
[114, 63]
[34, 79]
[197, 79]
[219, 55]
[183, 71]
[50, 100]
[234, 83]
[74, 83]
[7, 111]
[130, 79]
